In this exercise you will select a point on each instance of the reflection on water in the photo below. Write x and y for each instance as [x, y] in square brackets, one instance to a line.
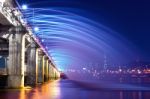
[46, 91]
[117, 95]
[65, 89]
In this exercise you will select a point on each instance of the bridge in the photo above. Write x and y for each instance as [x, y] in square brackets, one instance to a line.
[23, 61]
[90, 54]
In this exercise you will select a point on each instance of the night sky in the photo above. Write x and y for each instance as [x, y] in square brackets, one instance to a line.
[130, 18]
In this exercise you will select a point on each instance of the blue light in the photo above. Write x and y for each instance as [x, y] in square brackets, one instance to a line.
[84, 68]
[42, 40]
[60, 69]
[24, 7]
[36, 29]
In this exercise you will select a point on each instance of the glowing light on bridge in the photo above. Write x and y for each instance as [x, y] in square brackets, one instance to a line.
[36, 29]
[24, 7]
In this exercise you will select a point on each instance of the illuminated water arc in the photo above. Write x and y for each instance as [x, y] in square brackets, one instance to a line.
[59, 40]
[71, 38]
[63, 57]
[86, 25]
[68, 52]
[78, 37]
[101, 35]
[67, 32]
[78, 55]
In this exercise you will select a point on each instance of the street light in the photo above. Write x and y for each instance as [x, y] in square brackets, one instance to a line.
[36, 29]
[42, 40]
[24, 7]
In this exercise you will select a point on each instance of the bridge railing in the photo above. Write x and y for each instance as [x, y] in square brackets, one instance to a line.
[13, 15]
[7, 12]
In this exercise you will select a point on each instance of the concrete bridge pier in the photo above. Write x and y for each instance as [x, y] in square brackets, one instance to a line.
[46, 69]
[41, 65]
[49, 70]
[53, 73]
[32, 65]
[16, 58]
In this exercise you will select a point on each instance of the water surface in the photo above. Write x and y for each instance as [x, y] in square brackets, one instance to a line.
[66, 89]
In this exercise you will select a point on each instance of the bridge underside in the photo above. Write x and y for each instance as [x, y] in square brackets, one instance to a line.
[3, 20]
[22, 60]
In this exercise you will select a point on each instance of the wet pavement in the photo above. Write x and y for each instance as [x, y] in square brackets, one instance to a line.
[66, 89]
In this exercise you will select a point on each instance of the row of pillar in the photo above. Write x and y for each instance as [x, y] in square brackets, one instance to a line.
[39, 68]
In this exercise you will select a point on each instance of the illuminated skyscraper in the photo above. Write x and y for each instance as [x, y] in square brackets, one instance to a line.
[105, 62]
